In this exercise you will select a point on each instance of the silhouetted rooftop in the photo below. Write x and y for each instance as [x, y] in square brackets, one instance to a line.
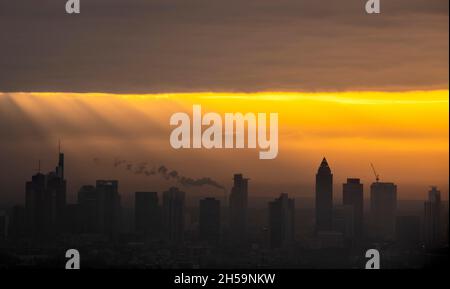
[324, 167]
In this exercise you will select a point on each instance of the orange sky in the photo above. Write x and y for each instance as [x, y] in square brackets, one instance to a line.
[405, 135]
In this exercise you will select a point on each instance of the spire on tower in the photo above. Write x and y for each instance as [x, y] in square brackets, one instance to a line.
[324, 167]
[60, 168]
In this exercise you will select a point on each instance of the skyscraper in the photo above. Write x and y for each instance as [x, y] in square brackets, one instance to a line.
[352, 194]
[88, 202]
[238, 209]
[45, 201]
[147, 214]
[324, 197]
[432, 218]
[383, 210]
[209, 220]
[99, 208]
[343, 222]
[173, 214]
[108, 206]
[281, 221]
[60, 168]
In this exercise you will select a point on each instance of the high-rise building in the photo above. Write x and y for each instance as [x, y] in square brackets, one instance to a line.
[281, 221]
[88, 202]
[59, 170]
[109, 208]
[238, 209]
[173, 213]
[383, 210]
[147, 214]
[100, 208]
[209, 220]
[45, 201]
[324, 197]
[352, 195]
[432, 218]
[344, 222]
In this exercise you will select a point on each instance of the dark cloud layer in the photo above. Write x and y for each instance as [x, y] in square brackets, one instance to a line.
[246, 45]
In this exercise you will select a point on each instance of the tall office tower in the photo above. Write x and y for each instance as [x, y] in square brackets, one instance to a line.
[88, 203]
[432, 218]
[238, 209]
[147, 214]
[281, 221]
[352, 194]
[108, 206]
[173, 214]
[209, 220]
[407, 229]
[344, 222]
[324, 197]
[45, 201]
[59, 170]
[383, 210]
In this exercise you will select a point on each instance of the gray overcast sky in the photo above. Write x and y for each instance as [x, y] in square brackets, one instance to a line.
[138, 46]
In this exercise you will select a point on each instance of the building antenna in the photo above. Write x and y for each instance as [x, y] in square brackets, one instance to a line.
[59, 145]
[377, 176]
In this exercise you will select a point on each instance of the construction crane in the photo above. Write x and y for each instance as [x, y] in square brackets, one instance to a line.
[377, 176]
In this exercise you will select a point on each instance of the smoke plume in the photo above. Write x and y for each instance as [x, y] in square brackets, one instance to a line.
[143, 168]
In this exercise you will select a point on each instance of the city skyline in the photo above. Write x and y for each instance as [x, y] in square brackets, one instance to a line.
[98, 216]
[379, 195]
